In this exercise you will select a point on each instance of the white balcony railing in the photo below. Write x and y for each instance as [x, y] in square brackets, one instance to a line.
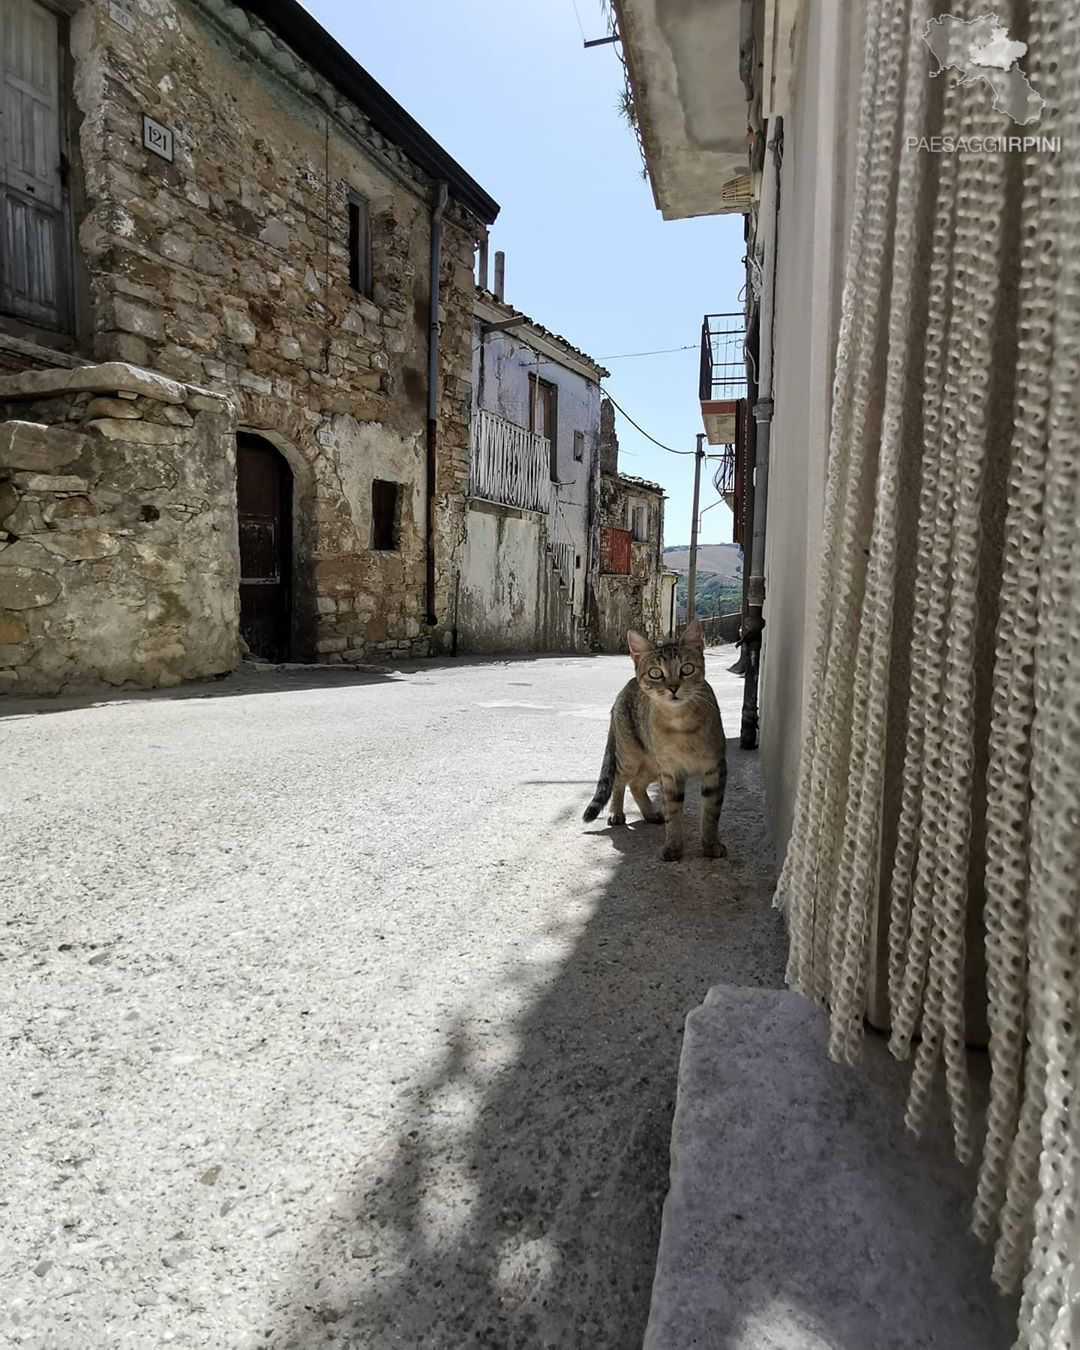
[509, 465]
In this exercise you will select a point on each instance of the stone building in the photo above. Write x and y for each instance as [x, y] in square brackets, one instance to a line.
[220, 242]
[630, 586]
[533, 492]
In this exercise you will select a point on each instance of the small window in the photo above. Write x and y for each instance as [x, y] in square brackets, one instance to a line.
[384, 515]
[579, 446]
[543, 417]
[639, 520]
[359, 245]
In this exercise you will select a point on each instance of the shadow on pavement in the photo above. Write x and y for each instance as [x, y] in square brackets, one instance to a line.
[547, 1233]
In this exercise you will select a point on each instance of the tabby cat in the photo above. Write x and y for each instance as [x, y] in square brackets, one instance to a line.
[666, 724]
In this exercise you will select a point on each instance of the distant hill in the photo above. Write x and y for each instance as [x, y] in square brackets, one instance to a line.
[723, 560]
[719, 576]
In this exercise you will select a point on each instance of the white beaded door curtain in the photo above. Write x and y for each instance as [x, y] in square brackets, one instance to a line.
[941, 765]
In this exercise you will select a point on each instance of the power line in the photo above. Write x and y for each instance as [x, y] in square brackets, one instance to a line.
[607, 394]
[670, 449]
[663, 351]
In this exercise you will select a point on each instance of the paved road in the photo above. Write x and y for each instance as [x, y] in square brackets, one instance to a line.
[327, 1020]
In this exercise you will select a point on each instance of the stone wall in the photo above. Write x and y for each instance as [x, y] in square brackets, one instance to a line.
[635, 599]
[229, 268]
[118, 538]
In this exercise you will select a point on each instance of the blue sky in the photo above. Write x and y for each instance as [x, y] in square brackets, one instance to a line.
[509, 91]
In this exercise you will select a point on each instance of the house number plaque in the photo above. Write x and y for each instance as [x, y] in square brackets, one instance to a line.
[157, 138]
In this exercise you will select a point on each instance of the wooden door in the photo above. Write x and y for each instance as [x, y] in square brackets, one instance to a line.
[264, 500]
[33, 215]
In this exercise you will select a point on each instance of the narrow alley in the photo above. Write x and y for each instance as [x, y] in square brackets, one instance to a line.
[334, 1023]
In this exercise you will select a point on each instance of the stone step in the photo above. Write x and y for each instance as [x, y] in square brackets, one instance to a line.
[802, 1215]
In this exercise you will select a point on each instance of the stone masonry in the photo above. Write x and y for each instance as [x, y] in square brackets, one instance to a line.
[114, 484]
[630, 599]
[228, 269]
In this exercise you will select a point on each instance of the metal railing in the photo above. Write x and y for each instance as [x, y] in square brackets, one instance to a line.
[724, 477]
[723, 358]
[563, 550]
[509, 465]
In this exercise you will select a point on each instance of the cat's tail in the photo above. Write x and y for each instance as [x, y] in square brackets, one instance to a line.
[605, 782]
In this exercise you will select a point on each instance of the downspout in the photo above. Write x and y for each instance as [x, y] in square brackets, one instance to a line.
[438, 207]
[763, 412]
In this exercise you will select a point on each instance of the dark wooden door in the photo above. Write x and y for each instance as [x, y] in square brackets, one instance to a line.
[264, 498]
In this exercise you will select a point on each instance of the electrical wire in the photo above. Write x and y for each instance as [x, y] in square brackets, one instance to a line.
[670, 449]
[663, 351]
[608, 395]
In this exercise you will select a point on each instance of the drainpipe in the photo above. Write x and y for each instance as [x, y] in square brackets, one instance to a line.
[438, 207]
[763, 412]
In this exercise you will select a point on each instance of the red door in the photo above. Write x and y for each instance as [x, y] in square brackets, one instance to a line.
[264, 500]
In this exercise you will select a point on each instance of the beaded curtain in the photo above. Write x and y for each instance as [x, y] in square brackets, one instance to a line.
[953, 509]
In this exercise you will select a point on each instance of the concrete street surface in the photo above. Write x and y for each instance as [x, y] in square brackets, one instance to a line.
[329, 1022]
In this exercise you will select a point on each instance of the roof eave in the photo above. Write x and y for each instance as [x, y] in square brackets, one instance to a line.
[313, 44]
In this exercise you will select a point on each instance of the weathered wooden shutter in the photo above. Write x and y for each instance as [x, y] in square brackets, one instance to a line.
[615, 554]
[33, 280]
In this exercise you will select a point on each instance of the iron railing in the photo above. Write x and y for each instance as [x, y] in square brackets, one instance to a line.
[724, 477]
[563, 550]
[723, 359]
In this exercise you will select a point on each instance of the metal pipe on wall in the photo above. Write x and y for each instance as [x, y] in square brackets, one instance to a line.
[691, 579]
[437, 209]
[763, 412]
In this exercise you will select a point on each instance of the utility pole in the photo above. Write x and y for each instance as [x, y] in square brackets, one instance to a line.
[691, 580]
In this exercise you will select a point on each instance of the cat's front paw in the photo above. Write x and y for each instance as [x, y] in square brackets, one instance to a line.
[616, 818]
[671, 853]
[713, 848]
[654, 818]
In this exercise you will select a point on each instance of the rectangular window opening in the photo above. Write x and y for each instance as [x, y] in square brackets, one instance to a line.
[543, 418]
[579, 446]
[359, 245]
[384, 515]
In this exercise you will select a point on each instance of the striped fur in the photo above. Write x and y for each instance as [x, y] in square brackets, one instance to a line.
[665, 724]
[605, 782]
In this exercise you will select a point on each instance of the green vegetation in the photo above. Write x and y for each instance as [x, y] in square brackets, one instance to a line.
[714, 595]
[719, 577]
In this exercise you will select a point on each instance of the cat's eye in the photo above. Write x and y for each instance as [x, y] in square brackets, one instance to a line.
[688, 669]
[656, 673]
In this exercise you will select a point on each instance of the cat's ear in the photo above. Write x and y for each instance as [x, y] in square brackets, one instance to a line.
[639, 644]
[692, 635]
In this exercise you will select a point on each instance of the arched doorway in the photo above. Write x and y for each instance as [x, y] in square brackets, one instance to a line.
[264, 509]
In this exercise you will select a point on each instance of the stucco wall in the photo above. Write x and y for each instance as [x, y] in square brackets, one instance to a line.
[119, 559]
[229, 268]
[502, 364]
[510, 599]
[815, 191]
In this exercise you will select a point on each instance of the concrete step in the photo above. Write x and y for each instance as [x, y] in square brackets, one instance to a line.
[802, 1215]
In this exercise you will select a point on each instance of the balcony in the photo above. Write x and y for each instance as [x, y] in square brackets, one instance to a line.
[722, 385]
[509, 465]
